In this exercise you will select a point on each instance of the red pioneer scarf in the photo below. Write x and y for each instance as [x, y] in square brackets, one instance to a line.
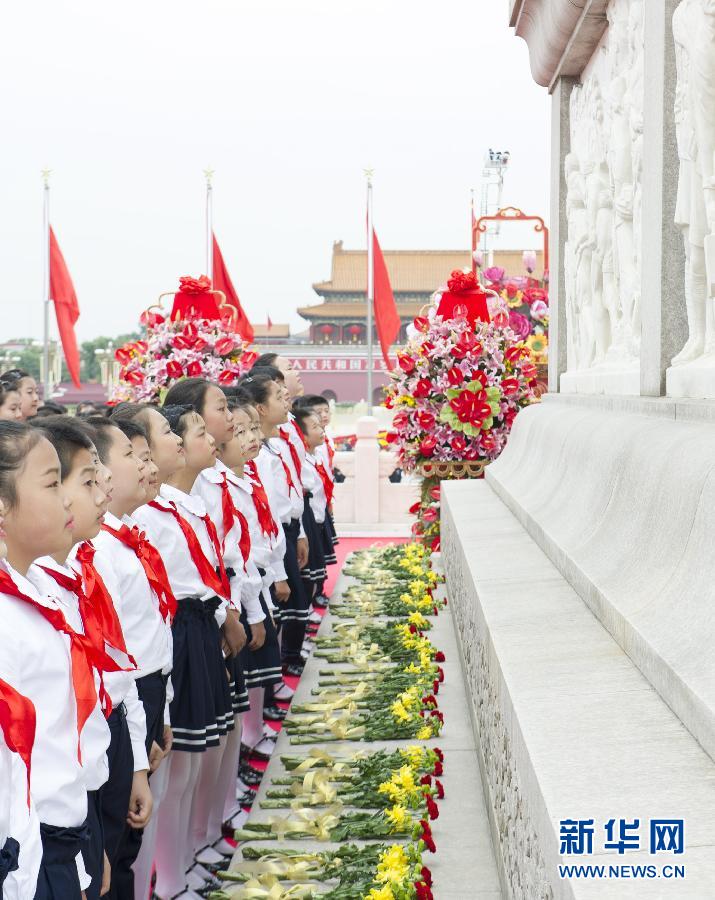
[217, 583]
[294, 455]
[260, 501]
[328, 486]
[153, 566]
[99, 617]
[231, 514]
[17, 722]
[331, 453]
[84, 655]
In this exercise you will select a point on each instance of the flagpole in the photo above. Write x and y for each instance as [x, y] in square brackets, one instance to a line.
[208, 173]
[46, 285]
[370, 286]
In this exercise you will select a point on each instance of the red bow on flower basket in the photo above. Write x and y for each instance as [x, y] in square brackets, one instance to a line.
[463, 297]
[195, 299]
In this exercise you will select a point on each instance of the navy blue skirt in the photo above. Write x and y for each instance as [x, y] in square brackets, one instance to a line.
[326, 535]
[202, 708]
[237, 684]
[297, 607]
[263, 666]
[315, 571]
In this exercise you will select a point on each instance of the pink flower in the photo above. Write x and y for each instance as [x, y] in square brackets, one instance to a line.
[539, 310]
[494, 274]
[529, 259]
[519, 325]
[431, 514]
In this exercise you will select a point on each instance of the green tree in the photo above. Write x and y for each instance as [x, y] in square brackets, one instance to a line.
[90, 364]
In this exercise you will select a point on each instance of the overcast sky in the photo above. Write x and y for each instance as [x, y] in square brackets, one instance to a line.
[288, 100]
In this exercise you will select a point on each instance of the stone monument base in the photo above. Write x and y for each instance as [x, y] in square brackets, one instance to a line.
[582, 583]
[695, 380]
[609, 378]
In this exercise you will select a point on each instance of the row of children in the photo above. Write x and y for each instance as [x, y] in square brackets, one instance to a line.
[158, 571]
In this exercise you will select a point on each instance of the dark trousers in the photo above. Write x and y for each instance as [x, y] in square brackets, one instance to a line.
[293, 630]
[117, 790]
[94, 855]
[58, 879]
[152, 693]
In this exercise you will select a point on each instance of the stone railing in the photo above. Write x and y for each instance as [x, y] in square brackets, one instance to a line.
[367, 497]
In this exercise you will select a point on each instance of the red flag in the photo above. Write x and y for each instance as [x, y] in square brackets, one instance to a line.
[269, 323]
[66, 306]
[222, 282]
[387, 319]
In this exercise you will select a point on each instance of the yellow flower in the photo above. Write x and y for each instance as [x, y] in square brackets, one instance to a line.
[383, 893]
[414, 754]
[399, 711]
[424, 734]
[393, 866]
[398, 817]
[418, 620]
[391, 789]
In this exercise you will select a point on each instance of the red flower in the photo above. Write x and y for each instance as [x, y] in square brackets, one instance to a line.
[425, 419]
[488, 442]
[434, 491]
[414, 509]
[388, 402]
[428, 445]
[511, 289]
[227, 377]
[435, 683]
[406, 363]
[248, 358]
[440, 673]
[391, 437]
[439, 656]
[151, 319]
[431, 514]
[426, 779]
[440, 789]
[421, 323]
[426, 836]
[422, 388]
[426, 876]
[471, 407]
[439, 754]
[134, 377]
[438, 768]
[528, 370]
[466, 344]
[224, 346]
[194, 369]
[510, 386]
[432, 810]
[174, 369]
[123, 355]
[515, 353]
[532, 294]
[480, 377]
[423, 891]
[459, 445]
[455, 376]
[401, 420]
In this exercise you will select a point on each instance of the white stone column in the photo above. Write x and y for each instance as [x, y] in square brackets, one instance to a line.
[664, 327]
[560, 146]
[367, 472]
